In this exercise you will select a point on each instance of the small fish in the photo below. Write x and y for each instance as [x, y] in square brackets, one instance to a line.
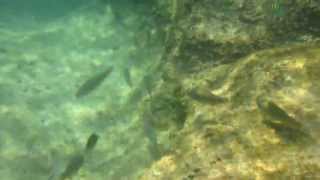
[278, 116]
[115, 47]
[73, 166]
[150, 133]
[77, 160]
[118, 19]
[205, 96]
[92, 83]
[92, 141]
[284, 125]
[135, 96]
[127, 76]
[57, 165]
[148, 83]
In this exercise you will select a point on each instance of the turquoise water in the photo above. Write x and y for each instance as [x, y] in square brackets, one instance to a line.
[48, 49]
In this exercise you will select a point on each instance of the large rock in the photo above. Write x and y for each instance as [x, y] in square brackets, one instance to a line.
[265, 125]
[218, 32]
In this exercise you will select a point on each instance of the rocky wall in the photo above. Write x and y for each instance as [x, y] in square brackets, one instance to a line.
[239, 93]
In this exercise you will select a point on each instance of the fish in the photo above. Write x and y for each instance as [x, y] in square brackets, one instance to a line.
[151, 135]
[278, 117]
[92, 83]
[118, 18]
[57, 165]
[150, 132]
[286, 126]
[78, 159]
[73, 166]
[148, 83]
[92, 141]
[127, 76]
[205, 96]
[135, 96]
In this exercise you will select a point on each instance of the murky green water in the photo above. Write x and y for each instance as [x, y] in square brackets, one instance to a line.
[48, 50]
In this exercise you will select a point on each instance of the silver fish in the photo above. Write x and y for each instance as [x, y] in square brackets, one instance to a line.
[73, 166]
[205, 96]
[78, 159]
[92, 83]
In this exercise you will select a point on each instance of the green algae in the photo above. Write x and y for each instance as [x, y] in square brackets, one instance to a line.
[251, 133]
[167, 108]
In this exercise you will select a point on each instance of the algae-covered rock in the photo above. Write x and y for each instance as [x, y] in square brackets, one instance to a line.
[202, 34]
[269, 123]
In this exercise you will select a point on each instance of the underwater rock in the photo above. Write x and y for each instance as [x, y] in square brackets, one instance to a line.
[92, 83]
[203, 34]
[270, 137]
[168, 110]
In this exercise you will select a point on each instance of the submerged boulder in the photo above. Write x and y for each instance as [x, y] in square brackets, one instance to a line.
[267, 128]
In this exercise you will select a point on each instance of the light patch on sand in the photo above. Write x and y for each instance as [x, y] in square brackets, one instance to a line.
[80, 112]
